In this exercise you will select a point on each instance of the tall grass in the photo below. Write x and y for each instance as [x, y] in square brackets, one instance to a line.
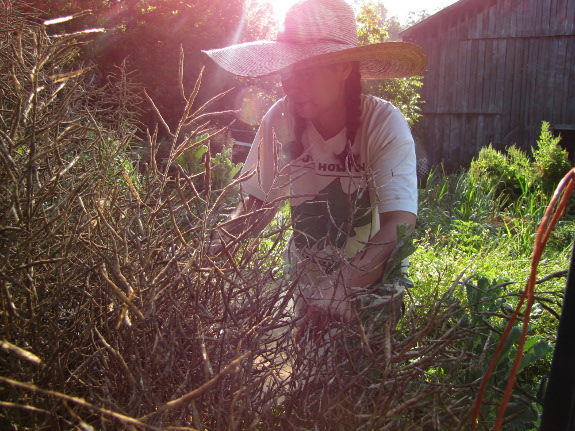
[464, 227]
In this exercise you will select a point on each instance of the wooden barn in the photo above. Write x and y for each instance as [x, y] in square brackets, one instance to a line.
[496, 70]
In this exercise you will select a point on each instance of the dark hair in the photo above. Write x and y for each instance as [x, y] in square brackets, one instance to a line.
[353, 117]
[352, 111]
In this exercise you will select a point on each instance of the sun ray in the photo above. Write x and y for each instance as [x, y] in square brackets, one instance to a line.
[280, 7]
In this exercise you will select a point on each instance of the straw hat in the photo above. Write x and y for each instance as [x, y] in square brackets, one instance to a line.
[320, 32]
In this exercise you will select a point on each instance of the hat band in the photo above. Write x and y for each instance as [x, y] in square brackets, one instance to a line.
[284, 39]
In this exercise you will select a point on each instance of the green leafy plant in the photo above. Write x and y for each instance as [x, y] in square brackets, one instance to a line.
[222, 172]
[488, 307]
[514, 173]
[463, 224]
[402, 92]
[521, 168]
[470, 236]
[551, 161]
[492, 169]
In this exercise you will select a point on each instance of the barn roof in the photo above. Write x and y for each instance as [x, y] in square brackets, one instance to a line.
[450, 10]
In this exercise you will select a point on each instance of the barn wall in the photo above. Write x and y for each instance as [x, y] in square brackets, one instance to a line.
[497, 68]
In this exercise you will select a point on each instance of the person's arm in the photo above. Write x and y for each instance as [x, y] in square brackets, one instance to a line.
[365, 269]
[248, 219]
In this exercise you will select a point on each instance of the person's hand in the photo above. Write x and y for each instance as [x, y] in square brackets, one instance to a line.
[318, 315]
[328, 299]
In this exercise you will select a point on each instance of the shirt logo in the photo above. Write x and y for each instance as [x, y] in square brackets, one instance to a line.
[334, 167]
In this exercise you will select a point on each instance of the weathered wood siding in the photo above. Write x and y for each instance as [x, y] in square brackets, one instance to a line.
[496, 70]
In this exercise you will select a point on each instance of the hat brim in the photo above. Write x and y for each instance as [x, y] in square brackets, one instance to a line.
[377, 61]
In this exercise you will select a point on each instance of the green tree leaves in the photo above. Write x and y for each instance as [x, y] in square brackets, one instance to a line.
[373, 27]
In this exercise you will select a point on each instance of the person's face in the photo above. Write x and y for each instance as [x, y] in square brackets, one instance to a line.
[317, 92]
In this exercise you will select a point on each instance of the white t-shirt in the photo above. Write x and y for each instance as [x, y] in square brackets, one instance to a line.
[335, 208]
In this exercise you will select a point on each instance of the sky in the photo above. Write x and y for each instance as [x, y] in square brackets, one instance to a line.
[401, 8]
[398, 8]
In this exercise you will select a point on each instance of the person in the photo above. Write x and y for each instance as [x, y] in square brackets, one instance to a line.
[344, 160]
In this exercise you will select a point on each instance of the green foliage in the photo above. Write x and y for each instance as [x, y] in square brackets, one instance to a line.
[523, 186]
[402, 92]
[513, 173]
[222, 170]
[521, 168]
[478, 216]
[487, 304]
[452, 203]
[372, 26]
[551, 161]
[465, 226]
[469, 236]
[260, 22]
[492, 169]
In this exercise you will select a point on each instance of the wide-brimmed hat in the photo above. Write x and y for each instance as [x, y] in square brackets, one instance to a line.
[320, 32]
